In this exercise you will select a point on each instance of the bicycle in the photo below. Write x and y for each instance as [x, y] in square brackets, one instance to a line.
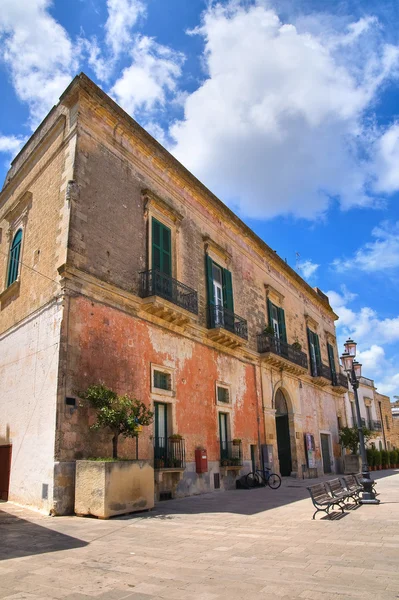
[264, 477]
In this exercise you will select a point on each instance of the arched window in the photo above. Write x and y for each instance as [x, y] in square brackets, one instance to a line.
[15, 253]
[280, 404]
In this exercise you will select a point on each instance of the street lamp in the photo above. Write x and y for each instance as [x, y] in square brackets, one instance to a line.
[353, 371]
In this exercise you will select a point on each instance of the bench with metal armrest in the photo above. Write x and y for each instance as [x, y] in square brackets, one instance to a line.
[353, 486]
[338, 491]
[322, 500]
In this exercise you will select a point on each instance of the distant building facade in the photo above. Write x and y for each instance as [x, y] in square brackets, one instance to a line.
[117, 265]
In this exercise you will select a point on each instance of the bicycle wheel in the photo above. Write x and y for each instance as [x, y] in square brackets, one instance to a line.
[274, 481]
[251, 480]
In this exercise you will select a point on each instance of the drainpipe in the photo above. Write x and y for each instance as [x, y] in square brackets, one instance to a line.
[382, 426]
[257, 410]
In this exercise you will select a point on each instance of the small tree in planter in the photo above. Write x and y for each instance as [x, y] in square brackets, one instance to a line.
[384, 459]
[106, 488]
[121, 415]
[370, 458]
[377, 459]
[268, 330]
[393, 458]
[349, 438]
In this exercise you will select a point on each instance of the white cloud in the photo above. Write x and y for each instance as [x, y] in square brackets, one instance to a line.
[277, 126]
[146, 83]
[122, 16]
[371, 334]
[387, 160]
[11, 144]
[379, 255]
[38, 52]
[308, 268]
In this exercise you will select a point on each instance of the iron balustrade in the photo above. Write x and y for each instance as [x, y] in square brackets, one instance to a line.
[339, 379]
[219, 316]
[155, 283]
[270, 343]
[169, 453]
[363, 422]
[230, 454]
[321, 370]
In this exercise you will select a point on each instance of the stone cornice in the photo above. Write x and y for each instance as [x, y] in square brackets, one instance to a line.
[178, 173]
[152, 200]
[211, 245]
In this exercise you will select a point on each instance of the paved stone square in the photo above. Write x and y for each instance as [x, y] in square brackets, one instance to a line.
[229, 545]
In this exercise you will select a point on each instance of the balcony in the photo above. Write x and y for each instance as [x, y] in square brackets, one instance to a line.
[226, 328]
[169, 453]
[375, 426]
[231, 455]
[167, 298]
[282, 355]
[321, 374]
[340, 383]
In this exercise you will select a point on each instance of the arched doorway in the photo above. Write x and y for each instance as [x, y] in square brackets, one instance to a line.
[283, 434]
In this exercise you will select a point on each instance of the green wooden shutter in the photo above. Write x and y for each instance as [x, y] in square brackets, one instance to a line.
[228, 301]
[310, 341]
[161, 248]
[330, 350]
[317, 348]
[269, 312]
[281, 324]
[210, 294]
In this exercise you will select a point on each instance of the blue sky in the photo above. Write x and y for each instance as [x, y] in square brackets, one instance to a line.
[287, 112]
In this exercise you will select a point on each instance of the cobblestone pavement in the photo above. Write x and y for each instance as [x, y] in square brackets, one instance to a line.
[229, 545]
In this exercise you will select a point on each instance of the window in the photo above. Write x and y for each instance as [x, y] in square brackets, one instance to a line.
[223, 394]
[331, 360]
[161, 248]
[369, 419]
[387, 422]
[223, 435]
[15, 253]
[162, 380]
[220, 295]
[314, 352]
[276, 318]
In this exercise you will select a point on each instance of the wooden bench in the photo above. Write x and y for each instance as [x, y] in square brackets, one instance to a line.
[353, 486]
[322, 501]
[338, 491]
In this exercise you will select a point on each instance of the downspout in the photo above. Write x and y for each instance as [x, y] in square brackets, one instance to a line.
[257, 410]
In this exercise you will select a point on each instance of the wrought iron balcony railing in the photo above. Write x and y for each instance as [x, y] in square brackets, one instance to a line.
[270, 343]
[320, 370]
[230, 454]
[154, 283]
[339, 380]
[376, 426]
[222, 317]
[169, 453]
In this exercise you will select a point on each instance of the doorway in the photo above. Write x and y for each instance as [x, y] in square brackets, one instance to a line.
[283, 434]
[325, 451]
[5, 468]
[161, 434]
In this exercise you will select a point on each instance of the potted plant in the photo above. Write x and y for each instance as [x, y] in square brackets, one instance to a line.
[384, 459]
[296, 345]
[236, 441]
[393, 457]
[104, 486]
[349, 439]
[377, 459]
[268, 330]
[175, 437]
[370, 458]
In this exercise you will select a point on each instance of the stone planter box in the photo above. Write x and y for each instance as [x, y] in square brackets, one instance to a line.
[105, 489]
[352, 464]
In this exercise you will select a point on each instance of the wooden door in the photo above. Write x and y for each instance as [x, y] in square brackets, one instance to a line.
[5, 468]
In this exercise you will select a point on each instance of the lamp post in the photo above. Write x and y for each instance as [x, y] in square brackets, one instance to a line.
[353, 371]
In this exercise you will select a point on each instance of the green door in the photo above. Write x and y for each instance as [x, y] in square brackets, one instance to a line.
[224, 454]
[161, 434]
[284, 444]
[325, 451]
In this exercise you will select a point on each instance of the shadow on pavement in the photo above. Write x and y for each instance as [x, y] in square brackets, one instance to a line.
[20, 537]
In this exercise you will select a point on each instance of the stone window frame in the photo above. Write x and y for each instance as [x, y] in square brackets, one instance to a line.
[227, 405]
[17, 218]
[156, 208]
[159, 391]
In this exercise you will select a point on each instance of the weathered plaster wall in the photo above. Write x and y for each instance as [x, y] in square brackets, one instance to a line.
[28, 375]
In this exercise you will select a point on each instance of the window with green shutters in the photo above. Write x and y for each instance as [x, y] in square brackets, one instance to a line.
[220, 294]
[14, 259]
[314, 353]
[162, 381]
[276, 318]
[161, 248]
[331, 360]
